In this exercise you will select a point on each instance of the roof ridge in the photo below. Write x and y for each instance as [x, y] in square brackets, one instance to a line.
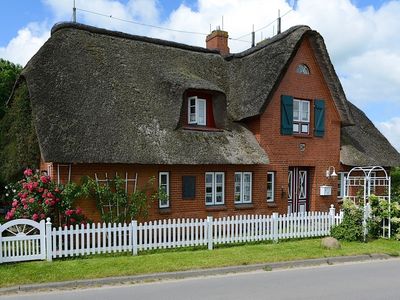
[263, 44]
[120, 34]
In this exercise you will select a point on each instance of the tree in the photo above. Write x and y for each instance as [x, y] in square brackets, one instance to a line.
[8, 75]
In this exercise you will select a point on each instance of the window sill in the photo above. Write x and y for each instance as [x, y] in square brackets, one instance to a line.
[272, 204]
[240, 206]
[164, 210]
[201, 128]
[215, 207]
[299, 135]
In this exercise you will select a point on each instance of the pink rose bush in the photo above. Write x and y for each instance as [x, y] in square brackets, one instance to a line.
[38, 198]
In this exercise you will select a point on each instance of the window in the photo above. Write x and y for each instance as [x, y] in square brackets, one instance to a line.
[215, 186]
[197, 111]
[303, 69]
[301, 116]
[243, 184]
[270, 186]
[342, 184]
[163, 188]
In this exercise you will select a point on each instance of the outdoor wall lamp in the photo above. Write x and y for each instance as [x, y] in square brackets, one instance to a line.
[330, 172]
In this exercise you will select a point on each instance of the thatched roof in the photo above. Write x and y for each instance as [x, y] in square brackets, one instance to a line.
[107, 97]
[101, 96]
[364, 145]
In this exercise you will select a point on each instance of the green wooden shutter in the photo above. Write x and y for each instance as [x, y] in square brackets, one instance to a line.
[319, 118]
[286, 115]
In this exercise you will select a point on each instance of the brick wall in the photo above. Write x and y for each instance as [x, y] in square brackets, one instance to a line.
[284, 151]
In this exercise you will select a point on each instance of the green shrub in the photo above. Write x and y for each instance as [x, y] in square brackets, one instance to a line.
[351, 228]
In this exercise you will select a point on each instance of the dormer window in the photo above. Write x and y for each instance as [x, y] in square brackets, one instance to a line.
[197, 111]
[303, 69]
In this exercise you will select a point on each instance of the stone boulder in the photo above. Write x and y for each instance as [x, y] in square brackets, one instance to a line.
[330, 243]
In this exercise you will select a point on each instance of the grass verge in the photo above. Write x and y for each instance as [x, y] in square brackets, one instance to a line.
[169, 261]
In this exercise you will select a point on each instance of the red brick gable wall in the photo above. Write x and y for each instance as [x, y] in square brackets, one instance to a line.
[284, 151]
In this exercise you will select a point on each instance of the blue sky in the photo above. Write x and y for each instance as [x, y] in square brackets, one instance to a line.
[361, 35]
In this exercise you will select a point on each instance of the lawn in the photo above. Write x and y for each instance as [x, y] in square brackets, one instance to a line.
[178, 260]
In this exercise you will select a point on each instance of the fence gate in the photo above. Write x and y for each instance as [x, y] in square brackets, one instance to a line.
[21, 240]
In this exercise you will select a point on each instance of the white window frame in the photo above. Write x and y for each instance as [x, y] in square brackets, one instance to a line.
[272, 182]
[198, 102]
[342, 184]
[160, 174]
[300, 122]
[214, 184]
[241, 193]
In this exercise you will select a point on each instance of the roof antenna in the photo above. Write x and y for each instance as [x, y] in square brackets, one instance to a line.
[74, 13]
[279, 22]
[222, 22]
[253, 38]
[210, 27]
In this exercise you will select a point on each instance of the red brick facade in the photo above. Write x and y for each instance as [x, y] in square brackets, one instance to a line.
[283, 151]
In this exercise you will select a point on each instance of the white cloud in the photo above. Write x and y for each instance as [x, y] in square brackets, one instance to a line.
[391, 129]
[27, 42]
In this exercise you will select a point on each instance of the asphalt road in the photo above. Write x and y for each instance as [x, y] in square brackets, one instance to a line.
[368, 280]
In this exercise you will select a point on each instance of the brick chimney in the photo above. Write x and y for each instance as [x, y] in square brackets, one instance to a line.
[218, 40]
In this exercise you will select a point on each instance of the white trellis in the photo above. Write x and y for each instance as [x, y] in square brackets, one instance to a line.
[362, 182]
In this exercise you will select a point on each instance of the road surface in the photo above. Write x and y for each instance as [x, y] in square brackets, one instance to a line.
[368, 280]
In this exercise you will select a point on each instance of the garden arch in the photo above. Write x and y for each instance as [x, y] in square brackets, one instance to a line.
[362, 182]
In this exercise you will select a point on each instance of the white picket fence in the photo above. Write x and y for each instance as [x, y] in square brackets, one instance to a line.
[162, 234]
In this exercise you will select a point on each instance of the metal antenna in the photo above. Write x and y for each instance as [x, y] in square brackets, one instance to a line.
[222, 22]
[253, 37]
[279, 22]
[74, 13]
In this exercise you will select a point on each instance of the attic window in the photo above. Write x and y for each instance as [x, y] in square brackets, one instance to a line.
[197, 111]
[303, 69]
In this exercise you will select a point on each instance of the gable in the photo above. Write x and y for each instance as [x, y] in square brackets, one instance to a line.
[264, 68]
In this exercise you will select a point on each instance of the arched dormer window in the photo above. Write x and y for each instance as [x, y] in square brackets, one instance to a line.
[303, 69]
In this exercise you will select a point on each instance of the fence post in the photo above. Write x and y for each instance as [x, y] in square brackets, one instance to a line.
[134, 237]
[49, 248]
[210, 232]
[275, 226]
[332, 213]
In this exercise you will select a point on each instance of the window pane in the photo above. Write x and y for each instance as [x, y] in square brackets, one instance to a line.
[296, 110]
[238, 181]
[219, 178]
[201, 105]
[209, 178]
[305, 111]
[270, 186]
[304, 128]
[295, 127]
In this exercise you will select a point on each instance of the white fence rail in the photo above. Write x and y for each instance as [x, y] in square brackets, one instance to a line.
[162, 234]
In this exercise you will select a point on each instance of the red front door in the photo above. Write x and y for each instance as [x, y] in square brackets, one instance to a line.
[297, 190]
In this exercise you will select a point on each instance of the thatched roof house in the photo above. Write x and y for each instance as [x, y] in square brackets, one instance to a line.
[101, 97]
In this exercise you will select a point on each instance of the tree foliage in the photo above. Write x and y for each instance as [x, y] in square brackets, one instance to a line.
[19, 147]
[8, 75]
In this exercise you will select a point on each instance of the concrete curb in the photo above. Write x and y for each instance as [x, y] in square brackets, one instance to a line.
[191, 273]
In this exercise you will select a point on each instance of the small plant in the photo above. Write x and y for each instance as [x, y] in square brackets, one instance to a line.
[115, 204]
[36, 197]
[351, 228]
[380, 213]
